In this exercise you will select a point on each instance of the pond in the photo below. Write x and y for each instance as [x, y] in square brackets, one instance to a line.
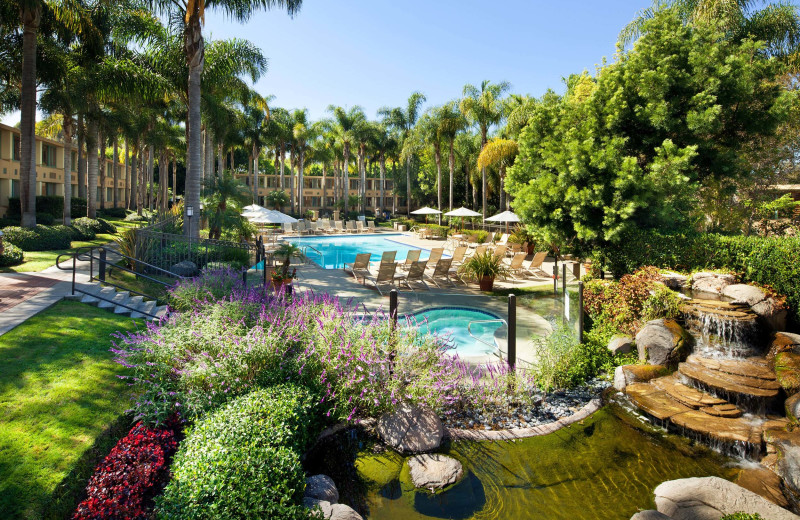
[604, 467]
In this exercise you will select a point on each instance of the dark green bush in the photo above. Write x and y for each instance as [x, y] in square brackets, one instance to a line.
[45, 219]
[40, 238]
[113, 212]
[243, 460]
[106, 227]
[78, 207]
[436, 230]
[85, 228]
[53, 205]
[769, 261]
[9, 221]
[12, 255]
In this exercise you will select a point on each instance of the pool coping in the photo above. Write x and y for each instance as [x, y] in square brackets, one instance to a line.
[459, 434]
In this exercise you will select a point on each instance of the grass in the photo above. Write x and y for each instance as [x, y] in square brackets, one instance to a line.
[60, 407]
[36, 261]
[139, 284]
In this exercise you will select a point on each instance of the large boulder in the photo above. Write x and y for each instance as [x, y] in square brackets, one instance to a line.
[322, 487]
[711, 282]
[650, 514]
[322, 505]
[710, 498]
[787, 448]
[411, 429]
[627, 374]
[344, 512]
[663, 342]
[792, 406]
[434, 471]
[787, 370]
[674, 281]
[185, 268]
[763, 482]
[760, 302]
[620, 345]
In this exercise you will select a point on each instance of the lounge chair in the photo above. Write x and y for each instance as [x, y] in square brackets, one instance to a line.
[385, 275]
[442, 271]
[515, 248]
[388, 256]
[416, 274]
[479, 250]
[360, 227]
[500, 251]
[535, 267]
[351, 226]
[411, 257]
[503, 240]
[458, 255]
[371, 226]
[436, 254]
[359, 267]
[515, 267]
[339, 227]
[288, 229]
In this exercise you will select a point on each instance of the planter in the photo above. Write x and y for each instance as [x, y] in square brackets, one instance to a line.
[486, 283]
[277, 284]
[531, 249]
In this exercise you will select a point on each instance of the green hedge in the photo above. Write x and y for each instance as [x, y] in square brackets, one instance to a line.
[243, 460]
[40, 238]
[106, 227]
[12, 255]
[52, 205]
[771, 261]
[86, 228]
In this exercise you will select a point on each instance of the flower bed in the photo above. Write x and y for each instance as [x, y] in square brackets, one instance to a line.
[125, 483]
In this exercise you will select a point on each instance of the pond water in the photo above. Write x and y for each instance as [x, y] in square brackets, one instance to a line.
[604, 467]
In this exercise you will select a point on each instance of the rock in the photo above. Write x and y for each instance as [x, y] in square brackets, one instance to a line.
[674, 281]
[650, 514]
[787, 448]
[711, 282]
[185, 268]
[620, 345]
[322, 487]
[324, 505]
[763, 482]
[434, 471]
[792, 406]
[627, 374]
[744, 293]
[765, 307]
[784, 342]
[663, 342]
[787, 370]
[710, 498]
[411, 429]
[343, 512]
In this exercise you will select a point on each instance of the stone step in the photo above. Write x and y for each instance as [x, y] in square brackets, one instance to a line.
[750, 367]
[745, 383]
[133, 301]
[659, 404]
[118, 297]
[686, 395]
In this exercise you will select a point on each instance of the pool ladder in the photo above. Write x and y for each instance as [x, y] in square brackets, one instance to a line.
[479, 340]
[305, 249]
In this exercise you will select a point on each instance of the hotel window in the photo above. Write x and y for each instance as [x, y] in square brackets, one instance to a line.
[353, 184]
[49, 155]
[50, 189]
[14, 188]
[16, 154]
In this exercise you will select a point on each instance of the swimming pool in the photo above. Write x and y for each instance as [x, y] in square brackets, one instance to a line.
[334, 252]
[453, 323]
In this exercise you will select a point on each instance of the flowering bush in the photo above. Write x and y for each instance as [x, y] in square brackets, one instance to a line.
[200, 359]
[622, 303]
[124, 484]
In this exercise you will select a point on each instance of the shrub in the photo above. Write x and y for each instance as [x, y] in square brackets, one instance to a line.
[562, 362]
[12, 255]
[622, 303]
[39, 238]
[106, 227]
[134, 217]
[78, 206]
[243, 461]
[9, 221]
[45, 219]
[136, 470]
[113, 212]
[436, 230]
[51, 205]
[480, 235]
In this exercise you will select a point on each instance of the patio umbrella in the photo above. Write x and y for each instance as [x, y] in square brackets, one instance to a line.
[462, 212]
[426, 211]
[506, 216]
[253, 207]
[273, 217]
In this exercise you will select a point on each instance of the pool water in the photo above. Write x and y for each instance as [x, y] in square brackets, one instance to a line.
[604, 467]
[334, 252]
[452, 323]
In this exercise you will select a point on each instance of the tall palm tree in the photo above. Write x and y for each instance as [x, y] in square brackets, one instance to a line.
[501, 153]
[484, 107]
[364, 130]
[776, 24]
[192, 15]
[404, 121]
[450, 122]
[427, 133]
[384, 143]
[346, 125]
[303, 132]
[256, 128]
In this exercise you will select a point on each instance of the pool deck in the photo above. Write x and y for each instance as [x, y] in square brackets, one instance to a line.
[530, 325]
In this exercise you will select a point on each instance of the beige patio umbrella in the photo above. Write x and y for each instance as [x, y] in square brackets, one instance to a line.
[462, 212]
[426, 211]
[506, 216]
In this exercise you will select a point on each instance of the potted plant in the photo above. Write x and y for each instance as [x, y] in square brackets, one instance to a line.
[282, 276]
[485, 267]
[521, 235]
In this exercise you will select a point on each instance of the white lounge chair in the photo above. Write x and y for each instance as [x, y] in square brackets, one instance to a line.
[388, 256]
[411, 257]
[339, 227]
[360, 266]
[385, 275]
[416, 274]
[371, 226]
[351, 226]
[360, 227]
[436, 254]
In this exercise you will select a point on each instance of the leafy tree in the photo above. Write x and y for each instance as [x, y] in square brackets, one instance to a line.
[404, 119]
[277, 199]
[223, 205]
[630, 147]
[501, 153]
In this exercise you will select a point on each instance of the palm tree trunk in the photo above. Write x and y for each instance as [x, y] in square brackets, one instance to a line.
[91, 149]
[67, 128]
[193, 45]
[452, 164]
[81, 158]
[346, 177]
[291, 179]
[256, 152]
[383, 181]
[220, 161]
[101, 165]
[139, 160]
[208, 169]
[408, 187]
[233, 160]
[115, 170]
[362, 177]
[150, 177]
[283, 160]
[324, 177]
[30, 18]
[300, 187]
[437, 156]
[175, 178]
[128, 180]
[483, 176]
[134, 197]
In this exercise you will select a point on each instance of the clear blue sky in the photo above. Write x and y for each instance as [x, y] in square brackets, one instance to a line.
[374, 53]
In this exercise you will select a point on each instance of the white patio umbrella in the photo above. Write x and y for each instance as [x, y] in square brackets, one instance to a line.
[426, 211]
[273, 217]
[253, 207]
[462, 212]
[506, 216]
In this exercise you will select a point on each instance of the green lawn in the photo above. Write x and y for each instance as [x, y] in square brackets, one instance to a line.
[36, 261]
[60, 407]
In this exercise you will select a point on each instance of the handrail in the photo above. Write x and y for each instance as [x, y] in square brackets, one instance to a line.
[305, 256]
[469, 330]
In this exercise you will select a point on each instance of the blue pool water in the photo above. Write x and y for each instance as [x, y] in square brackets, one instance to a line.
[334, 252]
[453, 322]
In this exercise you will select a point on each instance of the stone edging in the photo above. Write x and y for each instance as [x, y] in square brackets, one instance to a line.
[521, 433]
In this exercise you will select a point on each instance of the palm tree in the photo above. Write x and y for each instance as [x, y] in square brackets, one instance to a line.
[192, 14]
[346, 125]
[450, 122]
[404, 121]
[501, 153]
[777, 24]
[224, 191]
[483, 107]
[384, 143]
[427, 132]
[363, 131]
[256, 127]
[277, 199]
[303, 133]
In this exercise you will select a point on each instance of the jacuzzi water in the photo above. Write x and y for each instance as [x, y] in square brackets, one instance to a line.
[334, 252]
[454, 322]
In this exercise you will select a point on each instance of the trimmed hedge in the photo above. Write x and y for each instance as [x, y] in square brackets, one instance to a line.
[243, 460]
[113, 212]
[40, 238]
[87, 228]
[12, 255]
[106, 227]
[51, 204]
[769, 261]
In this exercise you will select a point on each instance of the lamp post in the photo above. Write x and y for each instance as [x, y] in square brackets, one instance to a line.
[189, 215]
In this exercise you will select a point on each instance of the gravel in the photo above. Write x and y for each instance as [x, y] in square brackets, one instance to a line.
[544, 409]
